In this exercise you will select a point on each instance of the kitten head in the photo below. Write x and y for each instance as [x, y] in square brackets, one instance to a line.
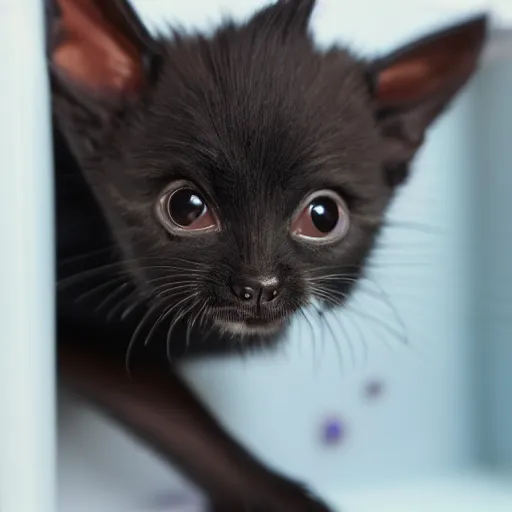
[246, 173]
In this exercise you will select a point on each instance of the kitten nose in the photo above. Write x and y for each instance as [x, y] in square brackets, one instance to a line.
[256, 290]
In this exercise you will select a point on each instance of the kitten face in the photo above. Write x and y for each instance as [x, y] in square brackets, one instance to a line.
[251, 175]
[262, 158]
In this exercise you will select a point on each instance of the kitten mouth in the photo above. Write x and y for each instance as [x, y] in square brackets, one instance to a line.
[250, 326]
[258, 322]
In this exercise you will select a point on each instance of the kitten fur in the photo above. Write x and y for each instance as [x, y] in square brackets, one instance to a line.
[256, 117]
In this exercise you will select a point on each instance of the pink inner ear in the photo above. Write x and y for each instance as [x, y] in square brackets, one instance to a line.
[403, 81]
[415, 79]
[93, 52]
[431, 67]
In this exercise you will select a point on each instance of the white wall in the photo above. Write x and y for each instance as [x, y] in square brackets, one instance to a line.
[494, 311]
[26, 265]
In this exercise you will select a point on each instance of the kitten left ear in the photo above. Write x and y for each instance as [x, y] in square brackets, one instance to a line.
[99, 48]
[412, 86]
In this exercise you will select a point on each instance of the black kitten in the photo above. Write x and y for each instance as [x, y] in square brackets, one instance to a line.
[241, 175]
[215, 187]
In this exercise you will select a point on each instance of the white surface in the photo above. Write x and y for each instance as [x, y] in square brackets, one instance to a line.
[26, 265]
[471, 493]
[102, 470]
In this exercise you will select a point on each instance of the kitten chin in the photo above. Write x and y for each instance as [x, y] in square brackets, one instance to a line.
[251, 327]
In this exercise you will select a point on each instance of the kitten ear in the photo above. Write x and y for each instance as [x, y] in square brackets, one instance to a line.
[99, 48]
[412, 86]
[287, 16]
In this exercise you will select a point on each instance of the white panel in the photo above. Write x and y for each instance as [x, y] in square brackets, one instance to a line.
[503, 11]
[495, 236]
[26, 265]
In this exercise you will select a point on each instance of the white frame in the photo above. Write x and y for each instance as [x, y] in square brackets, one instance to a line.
[27, 375]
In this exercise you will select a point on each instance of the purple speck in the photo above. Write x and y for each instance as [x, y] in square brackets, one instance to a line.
[374, 389]
[333, 431]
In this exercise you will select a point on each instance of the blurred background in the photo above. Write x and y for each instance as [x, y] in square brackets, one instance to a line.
[404, 402]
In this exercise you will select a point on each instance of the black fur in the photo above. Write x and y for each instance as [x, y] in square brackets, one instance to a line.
[257, 118]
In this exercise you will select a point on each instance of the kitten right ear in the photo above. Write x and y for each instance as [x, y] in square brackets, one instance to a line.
[414, 85]
[99, 49]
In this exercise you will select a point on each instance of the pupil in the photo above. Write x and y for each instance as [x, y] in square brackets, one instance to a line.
[185, 207]
[324, 214]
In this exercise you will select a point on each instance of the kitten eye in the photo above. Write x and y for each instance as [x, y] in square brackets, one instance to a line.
[322, 218]
[182, 209]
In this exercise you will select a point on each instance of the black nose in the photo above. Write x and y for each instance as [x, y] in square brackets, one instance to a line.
[256, 290]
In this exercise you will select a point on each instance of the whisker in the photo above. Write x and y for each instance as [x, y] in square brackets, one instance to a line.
[356, 321]
[170, 285]
[303, 313]
[130, 308]
[321, 323]
[379, 322]
[330, 296]
[112, 296]
[204, 315]
[417, 226]
[173, 323]
[63, 283]
[84, 256]
[102, 286]
[394, 311]
[121, 270]
[192, 323]
[363, 339]
[335, 340]
[379, 294]
[187, 336]
[136, 333]
[159, 320]
[347, 338]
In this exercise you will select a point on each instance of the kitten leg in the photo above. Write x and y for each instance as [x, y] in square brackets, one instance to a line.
[160, 410]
